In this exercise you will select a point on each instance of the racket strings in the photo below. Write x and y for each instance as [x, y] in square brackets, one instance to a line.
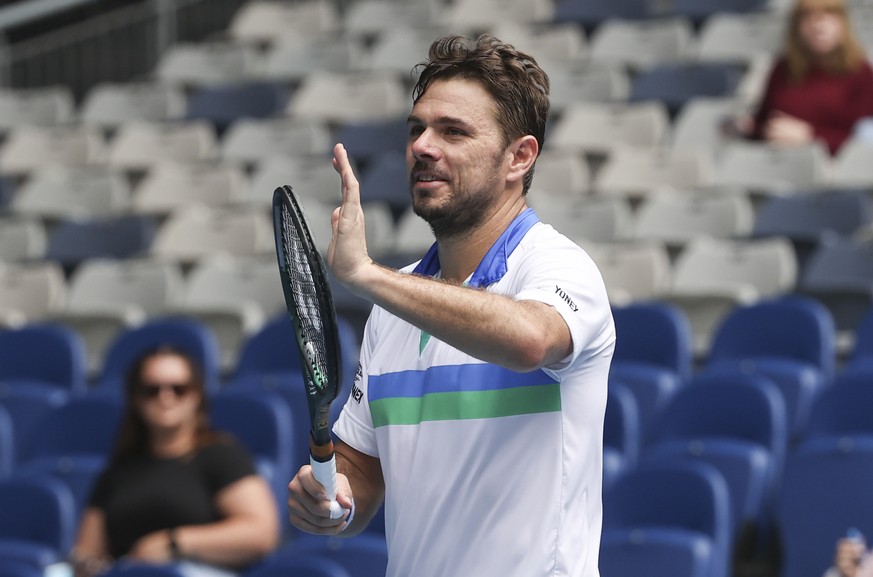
[307, 302]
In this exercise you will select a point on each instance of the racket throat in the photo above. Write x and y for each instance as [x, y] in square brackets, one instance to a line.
[321, 452]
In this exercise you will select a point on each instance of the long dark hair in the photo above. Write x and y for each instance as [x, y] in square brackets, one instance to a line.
[519, 86]
[133, 435]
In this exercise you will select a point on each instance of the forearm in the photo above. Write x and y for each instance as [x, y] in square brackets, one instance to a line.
[368, 486]
[520, 335]
[231, 542]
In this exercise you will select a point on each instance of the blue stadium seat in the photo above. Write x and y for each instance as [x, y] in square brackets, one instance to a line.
[839, 273]
[7, 443]
[136, 569]
[290, 566]
[17, 568]
[7, 192]
[688, 500]
[182, 333]
[77, 472]
[38, 521]
[386, 179]
[365, 555]
[825, 491]
[222, 105]
[655, 334]
[621, 432]
[675, 84]
[635, 552]
[367, 140]
[862, 353]
[808, 218]
[700, 10]
[85, 425]
[591, 13]
[790, 340]
[73, 241]
[24, 352]
[28, 403]
[843, 409]
[652, 356]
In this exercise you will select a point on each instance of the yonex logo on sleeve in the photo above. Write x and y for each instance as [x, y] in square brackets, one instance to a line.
[357, 394]
[560, 292]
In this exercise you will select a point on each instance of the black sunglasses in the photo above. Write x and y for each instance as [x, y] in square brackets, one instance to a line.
[153, 390]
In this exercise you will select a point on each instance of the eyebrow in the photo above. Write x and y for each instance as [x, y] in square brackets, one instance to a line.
[442, 120]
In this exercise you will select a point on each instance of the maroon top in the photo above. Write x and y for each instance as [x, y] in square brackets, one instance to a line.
[831, 103]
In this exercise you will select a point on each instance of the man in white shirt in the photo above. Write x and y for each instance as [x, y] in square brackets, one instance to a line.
[477, 411]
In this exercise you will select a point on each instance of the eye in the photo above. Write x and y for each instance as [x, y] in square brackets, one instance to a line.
[415, 130]
[454, 132]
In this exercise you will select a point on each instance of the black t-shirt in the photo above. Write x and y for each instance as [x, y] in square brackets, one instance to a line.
[143, 493]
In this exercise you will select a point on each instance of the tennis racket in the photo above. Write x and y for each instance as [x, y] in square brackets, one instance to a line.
[310, 306]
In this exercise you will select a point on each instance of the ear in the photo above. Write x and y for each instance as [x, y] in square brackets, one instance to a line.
[523, 153]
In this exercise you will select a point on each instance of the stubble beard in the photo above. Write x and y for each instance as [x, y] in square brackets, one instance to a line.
[461, 211]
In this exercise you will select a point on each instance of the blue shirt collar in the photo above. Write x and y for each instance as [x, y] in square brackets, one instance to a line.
[493, 265]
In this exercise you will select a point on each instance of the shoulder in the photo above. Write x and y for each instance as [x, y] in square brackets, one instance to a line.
[544, 242]
[223, 462]
[224, 448]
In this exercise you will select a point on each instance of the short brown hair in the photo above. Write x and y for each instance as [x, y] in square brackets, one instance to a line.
[519, 86]
[849, 56]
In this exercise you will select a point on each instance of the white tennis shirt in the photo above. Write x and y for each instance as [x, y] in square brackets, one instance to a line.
[490, 472]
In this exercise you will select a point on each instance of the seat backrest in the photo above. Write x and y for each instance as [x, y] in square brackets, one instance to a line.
[687, 495]
[851, 165]
[824, 491]
[600, 128]
[139, 145]
[742, 407]
[224, 281]
[862, 353]
[653, 333]
[366, 140]
[65, 192]
[266, 21]
[108, 104]
[591, 13]
[28, 148]
[207, 63]
[28, 403]
[641, 43]
[365, 555]
[172, 185]
[387, 180]
[621, 425]
[740, 37]
[844, 408]
[74, 241]
[767, 168]
[85, 425]
[150, 285]
[23, 354]
[698, 125]
[638, 173]
[765, 266]
[840, 264]
[792, 328]
[46, 106]
[184, 333]
[221, 105]
[21, 238]
[349, 97]
[679, 218]
[311, 566]
[632, 272]
[591, 82]
[7, 442]
[39, 510]
[676, 84]
[809, 217]
[256, 141]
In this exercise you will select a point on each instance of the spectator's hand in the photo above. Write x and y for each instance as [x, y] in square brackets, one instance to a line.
[783, 128]
[848, 556]
[154, 547]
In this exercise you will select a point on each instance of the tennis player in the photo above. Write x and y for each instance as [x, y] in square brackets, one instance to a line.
[477, 411]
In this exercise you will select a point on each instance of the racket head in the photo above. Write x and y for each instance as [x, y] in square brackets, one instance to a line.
[310, 307]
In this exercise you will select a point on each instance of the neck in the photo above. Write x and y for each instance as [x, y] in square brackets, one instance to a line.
[461, 254]
[172, 443]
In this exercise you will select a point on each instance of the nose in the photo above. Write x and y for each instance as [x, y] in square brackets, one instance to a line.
[423, 145]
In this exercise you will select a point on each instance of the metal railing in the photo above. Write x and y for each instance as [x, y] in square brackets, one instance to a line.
[122, 45]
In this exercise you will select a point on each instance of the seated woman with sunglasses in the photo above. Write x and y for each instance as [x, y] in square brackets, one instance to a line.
[175, 490]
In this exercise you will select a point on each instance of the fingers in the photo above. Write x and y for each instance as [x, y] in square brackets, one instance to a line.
[350, 187]
[308, 507]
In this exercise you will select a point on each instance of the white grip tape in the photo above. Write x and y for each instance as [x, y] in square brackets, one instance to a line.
[325, 473]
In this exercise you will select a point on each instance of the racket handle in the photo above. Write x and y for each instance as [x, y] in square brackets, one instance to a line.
[325, 473]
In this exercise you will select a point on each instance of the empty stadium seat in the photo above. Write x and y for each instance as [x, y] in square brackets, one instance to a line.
[311, 566]
[675, 84]
[138, 145]
[586, 81]
[387, 181]
[368, 140]
[637, 174]
[72, 242]
[842, 410]
[631, 271]
[824, 492]
[350, 97]
[851, 166]
[23, 354]
[686, 503]
[789, 340]
[172, 185]
[22, 239]
[586, 220]
[222, 105]
[364, 555]
[266, 21]
[191, 64]
[765, 169]
[712, 276]
[599, 128]
[589, 14]
[641, 43]
[561, 173]
[740, 37]
[253, 141]
[30, 147]
[64, 192]
[294, 57]
[7, 442]
[109, 105]
[699, 125]
[38, 522]
[28, 402]
[43, 106]
[621, 432]
[862, 349]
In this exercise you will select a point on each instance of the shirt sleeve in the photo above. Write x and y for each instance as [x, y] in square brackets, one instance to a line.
[225, 462]
[565, 277]
[101, 488]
